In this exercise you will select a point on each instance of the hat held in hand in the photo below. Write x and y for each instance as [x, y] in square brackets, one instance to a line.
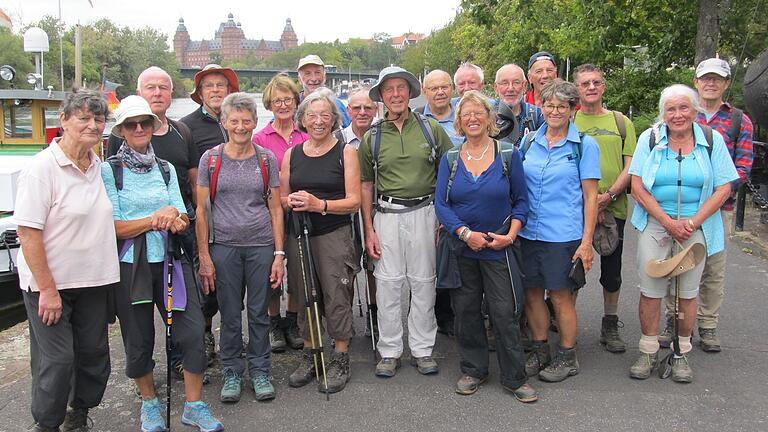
[678, 264]
[606, 237]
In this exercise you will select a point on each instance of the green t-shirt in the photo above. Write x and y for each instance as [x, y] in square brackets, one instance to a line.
[604, 130]
[404, 167]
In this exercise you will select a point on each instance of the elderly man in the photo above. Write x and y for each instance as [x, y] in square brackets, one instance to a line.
[713, 76]
[468, 77]
[542, 68]
[212, 84]
[438, 89]
[398, 167]
[311, 72]
[514, 117]
[615, 134]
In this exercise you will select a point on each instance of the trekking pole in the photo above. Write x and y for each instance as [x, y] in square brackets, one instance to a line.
[307, 304]
[359, 299]
[168, 324]
[311, 268]
[368, 304]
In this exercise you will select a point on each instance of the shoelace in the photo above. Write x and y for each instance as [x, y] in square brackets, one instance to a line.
[231, 381]
[153, 414]
[261, 381]
[202, 414]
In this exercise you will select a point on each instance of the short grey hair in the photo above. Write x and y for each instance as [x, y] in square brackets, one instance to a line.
[560, 89]
[153, 69]
[467, 65]
[85, 100]
[239, 101]
[511, 66]
[324, 94]
[363, 88]
[678, 90]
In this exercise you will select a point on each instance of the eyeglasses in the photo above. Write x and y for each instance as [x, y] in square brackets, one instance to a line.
[505, 83]
[469, 115]
[356, 108]
[145, 124]
[711, 79]
[211, 86]
[596, 83]
[282, 102]
[558, 108]
[435, 89]
[322, 116]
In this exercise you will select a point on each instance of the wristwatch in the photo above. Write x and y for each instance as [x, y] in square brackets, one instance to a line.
[613, 196]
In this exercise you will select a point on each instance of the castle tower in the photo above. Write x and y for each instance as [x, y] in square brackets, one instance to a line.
[288, 38]
[231, 39]
[180, 43]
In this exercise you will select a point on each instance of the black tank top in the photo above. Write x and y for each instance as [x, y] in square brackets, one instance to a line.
[323, 177]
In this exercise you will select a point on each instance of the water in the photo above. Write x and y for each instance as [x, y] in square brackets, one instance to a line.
[183, 106]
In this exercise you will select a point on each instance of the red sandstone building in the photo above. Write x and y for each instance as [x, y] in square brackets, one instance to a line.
[229, 43]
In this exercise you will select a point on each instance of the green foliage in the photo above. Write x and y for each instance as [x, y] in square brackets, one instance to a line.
[12, 53]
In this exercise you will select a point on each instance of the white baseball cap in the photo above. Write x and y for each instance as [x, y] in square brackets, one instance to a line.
[715, 66]
[310, 59]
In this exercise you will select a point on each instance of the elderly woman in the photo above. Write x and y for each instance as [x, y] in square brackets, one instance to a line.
[706, 169]
[562, 168]
[281, 96]
[320, 183]
[67, 265]
[240, 243]
[148, 208]
[486, 207]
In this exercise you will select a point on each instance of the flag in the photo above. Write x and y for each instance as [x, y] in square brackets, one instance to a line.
[109, 87]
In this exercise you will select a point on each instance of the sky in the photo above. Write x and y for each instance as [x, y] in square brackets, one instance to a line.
[313, 21]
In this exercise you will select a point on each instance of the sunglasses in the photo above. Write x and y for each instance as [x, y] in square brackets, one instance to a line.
[145, 124]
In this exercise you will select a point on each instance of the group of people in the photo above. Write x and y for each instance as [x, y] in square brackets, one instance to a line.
[211, 216]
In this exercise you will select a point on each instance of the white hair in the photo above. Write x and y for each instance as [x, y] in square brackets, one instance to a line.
[466, 65]
[676, 90]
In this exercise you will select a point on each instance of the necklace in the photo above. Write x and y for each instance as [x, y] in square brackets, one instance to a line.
[482, 155]
[317, 149]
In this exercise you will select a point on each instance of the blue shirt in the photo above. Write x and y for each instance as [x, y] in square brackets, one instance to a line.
[447, 123]
[481, 205]
[665, 186]
[142, 195]
[554, 185]
[717, 169]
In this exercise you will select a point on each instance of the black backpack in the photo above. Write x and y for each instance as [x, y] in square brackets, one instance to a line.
[117, 170]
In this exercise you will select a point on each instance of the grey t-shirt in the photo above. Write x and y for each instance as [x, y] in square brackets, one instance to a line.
[240, 215]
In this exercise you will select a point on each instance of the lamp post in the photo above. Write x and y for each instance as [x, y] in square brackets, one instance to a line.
[36, 42]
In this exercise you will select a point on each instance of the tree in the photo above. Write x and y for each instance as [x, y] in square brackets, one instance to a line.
[12, 54]
[711, 13]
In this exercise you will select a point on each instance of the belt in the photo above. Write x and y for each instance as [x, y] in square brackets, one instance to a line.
[412, 202]
[408, 204]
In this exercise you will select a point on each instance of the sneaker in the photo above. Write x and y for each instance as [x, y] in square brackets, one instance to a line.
[665, 337]
[467, 385]
[151, 418]
[425, 365]
[210, 347]
[538, 358]
[708, 340]
[276, 336]
[295, 341]
[681, 370]
[305, 372]
[525, 393]
[644, 366]
[387, 367]
[563, 365]
[199, 414]
[337, 373]
[76, 420]
[262, 388]
[232, 387]
[609, 334]
[178, 371]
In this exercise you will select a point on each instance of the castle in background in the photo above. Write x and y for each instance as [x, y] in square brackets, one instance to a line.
[229, 43]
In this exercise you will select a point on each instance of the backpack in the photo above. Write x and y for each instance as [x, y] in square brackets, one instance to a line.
[530, 118]
[707, 135]
[621, 126]
[117, 170]
[506, 150]
[214, 166]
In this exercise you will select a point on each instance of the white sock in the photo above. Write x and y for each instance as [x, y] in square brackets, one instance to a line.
[649, 344]
[685, 344]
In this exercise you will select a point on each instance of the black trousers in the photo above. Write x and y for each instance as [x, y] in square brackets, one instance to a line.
[489, 278]
[443, 309]
[71, 356]
[610, 266]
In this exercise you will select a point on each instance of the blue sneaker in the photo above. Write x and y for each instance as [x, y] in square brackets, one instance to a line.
[233, 385]
[263, 388]
[151, 419]
[199, 414]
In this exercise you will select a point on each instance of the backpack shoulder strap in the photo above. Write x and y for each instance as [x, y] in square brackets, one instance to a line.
[453, 164]
[165, 169]
[530, 118]
[375, 148]
[339, 135]
[184, 130]
[708, 136]
[526, 145]
[618, 117]
[735, 132]
[264, 167]
[578, 148]
[427, 131]
[214, 165]
[117, 171]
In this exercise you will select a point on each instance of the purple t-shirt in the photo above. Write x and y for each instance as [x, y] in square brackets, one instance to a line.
[240, 215]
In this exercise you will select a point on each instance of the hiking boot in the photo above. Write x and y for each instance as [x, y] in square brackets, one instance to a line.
[210, 347]
[665, 337]
[295, 341]
[232, 387]
[644, 366]
[305, 372]
[76, 420]
[262, 388]
[40, 428]
[467, 385]
[199, 414]
[709, 341]
[425, 365]
[337, 373]
[368, 331]
[609, 334]
[525, 393]
[681, 370]
[538, 358]
[387, 367]
[151, 418]
[178, 371]
[563, 365]
[276, 336]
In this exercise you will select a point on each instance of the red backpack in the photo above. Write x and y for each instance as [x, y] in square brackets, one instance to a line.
[214, 166]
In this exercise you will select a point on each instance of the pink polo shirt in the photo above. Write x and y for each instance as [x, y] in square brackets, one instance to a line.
[270, 139]
[74, 213]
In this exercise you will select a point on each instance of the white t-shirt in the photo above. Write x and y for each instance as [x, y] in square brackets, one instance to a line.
[75, 214]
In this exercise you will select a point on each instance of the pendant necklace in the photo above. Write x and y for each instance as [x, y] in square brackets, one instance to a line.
[482, 155]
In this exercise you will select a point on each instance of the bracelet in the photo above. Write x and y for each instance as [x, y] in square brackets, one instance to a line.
[279, 252]
[693, 225]
[466, 235]
[462, 232]
[325, 208]
[613, 196]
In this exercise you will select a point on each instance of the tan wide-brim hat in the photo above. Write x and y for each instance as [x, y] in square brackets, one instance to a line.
[234, 85]
[678, 264]
[132, 106]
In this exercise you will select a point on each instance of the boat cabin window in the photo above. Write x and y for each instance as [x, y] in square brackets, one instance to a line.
[17, 118]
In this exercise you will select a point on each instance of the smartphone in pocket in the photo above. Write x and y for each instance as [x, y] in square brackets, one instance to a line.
[577, 274]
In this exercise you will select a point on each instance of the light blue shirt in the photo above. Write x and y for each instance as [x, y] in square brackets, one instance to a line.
[717, 170]
[142, 195]
[447, 123]
[665, 186]
[554, 177]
